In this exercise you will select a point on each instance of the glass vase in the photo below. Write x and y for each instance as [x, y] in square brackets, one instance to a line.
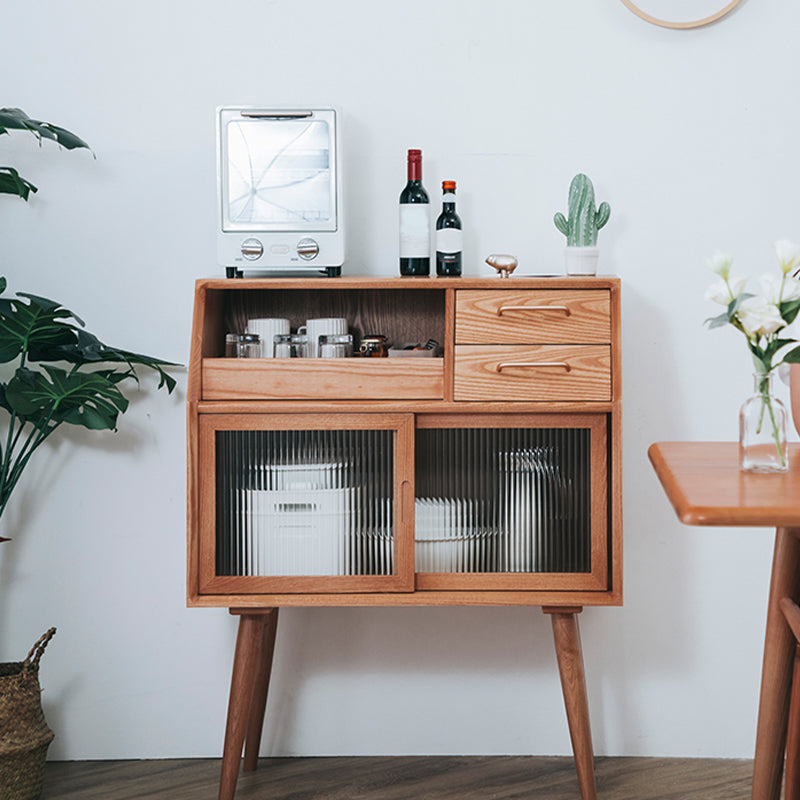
[762, 429]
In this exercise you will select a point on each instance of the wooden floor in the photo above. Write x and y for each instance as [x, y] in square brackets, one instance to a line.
[402, 778]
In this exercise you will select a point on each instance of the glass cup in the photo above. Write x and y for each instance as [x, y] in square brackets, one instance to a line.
[290, 345]
[231, 345]
[242, 345]
[336, 345]
[249, 346]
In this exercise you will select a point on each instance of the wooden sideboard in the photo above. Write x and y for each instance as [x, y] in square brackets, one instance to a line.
[488, 475]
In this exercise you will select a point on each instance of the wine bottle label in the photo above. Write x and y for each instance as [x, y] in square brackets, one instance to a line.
[448, 198]
[415, 236]
[449, 240]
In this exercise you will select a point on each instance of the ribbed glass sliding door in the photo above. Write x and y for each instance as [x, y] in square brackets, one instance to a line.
[305, 502]
[294, 501]
[509, 501]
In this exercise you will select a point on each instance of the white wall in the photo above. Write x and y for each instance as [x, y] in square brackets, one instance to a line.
[691, 136]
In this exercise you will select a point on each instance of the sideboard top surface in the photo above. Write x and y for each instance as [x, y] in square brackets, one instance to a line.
[372, 282]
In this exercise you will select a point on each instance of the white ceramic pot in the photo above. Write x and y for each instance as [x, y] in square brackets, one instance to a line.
[581, 260]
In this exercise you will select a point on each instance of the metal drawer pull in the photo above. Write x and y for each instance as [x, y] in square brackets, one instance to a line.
[506, 364]
[532, 308]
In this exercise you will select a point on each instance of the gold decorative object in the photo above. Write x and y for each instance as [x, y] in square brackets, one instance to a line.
[504, 264]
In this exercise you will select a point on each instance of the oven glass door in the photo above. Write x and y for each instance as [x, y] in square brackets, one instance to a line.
[278, 172]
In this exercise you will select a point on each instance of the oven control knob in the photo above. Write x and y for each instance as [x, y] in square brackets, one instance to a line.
[307, 249]
[252, 249]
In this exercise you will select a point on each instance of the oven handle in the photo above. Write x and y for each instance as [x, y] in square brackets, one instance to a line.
[255, 114]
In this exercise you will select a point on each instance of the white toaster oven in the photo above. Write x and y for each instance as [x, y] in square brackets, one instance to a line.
[279, 190]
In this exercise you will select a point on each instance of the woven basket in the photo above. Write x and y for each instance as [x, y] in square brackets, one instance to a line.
[24, 735]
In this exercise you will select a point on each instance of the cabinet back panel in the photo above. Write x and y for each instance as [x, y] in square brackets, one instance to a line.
[402, 315]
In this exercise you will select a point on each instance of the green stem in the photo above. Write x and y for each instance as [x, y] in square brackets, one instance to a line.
[766, 404]
[15, 463]
[13, 436]
[10, 481]
[776, 435]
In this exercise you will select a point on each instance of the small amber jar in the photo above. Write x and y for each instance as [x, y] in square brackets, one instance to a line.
[374, 346]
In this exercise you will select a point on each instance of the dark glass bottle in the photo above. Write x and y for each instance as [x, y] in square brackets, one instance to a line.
[448, 234]
[415, 222]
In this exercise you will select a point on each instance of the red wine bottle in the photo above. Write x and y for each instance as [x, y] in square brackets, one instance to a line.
[415, 221]
[448, 234]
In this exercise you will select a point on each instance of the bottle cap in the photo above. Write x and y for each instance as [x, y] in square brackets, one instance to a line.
[415, 155]
[449, 186]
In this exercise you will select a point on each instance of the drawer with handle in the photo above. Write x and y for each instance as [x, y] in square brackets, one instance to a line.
[562, 316]
[532, 373]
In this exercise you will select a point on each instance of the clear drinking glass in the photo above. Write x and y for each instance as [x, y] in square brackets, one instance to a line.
[291, 345]
[339, 345]
[242, 345]
[249, 346]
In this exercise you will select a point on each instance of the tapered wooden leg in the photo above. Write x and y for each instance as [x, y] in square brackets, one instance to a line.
[792, 787]
[258, 703]
[573, 684]
[776, 673]
[245, 662]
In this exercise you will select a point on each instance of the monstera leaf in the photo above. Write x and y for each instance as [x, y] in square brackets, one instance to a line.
[43, 330]
[11, 182]
[87, 349]
[33, 329]
[90, 399]
[17, 119]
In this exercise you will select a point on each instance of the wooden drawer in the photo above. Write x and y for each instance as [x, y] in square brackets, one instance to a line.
[322, 379]
[557, 316]
[540, 373]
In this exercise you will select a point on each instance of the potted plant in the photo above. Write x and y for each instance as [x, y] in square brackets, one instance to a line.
[581, 252]
[62, 375]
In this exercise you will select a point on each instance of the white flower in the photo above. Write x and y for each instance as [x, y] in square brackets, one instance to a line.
[791, 290]
[771, 287]
[759, 318]
[724, 291]
[779, 288]
[788, 253]
[720, 263]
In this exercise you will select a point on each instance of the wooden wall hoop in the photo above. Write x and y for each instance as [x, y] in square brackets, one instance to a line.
[698, 23]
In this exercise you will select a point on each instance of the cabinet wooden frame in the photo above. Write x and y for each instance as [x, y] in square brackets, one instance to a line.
[422, 389]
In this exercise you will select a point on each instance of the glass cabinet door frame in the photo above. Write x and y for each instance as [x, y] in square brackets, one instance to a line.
[402, 578]
[594, 580]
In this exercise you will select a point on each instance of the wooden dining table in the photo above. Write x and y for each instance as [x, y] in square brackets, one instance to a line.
[705, 485]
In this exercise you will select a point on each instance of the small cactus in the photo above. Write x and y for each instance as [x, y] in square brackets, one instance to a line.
[584, 222]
